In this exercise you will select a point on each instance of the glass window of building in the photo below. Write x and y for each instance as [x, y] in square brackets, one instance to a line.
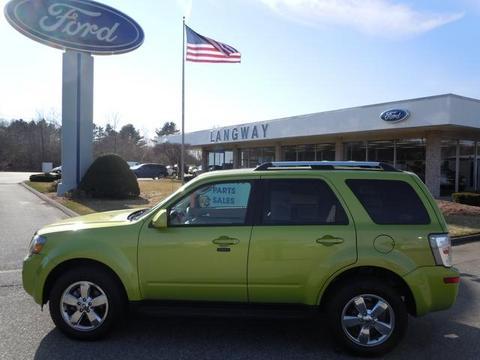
[289, 153]
[325, 152]
[448, 160]
[220, 158]
[411, 156]
[268, 154]
[245, 158]
[215, 158]
[306, 153]
[381, 151]
[466, 166]
[477, 188]
[355, 151]
[253, 157]
[311, 152]
[228, 157]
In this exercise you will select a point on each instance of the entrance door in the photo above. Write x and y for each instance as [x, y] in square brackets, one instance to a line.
[303, 236]
[202, 254]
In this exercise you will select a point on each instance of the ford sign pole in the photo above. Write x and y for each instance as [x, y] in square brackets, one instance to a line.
[77, 118]
[80, 28]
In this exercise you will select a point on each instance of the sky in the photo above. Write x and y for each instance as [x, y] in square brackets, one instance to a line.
[298, 57]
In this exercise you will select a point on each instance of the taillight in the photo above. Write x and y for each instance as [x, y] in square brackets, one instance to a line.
[441, 248]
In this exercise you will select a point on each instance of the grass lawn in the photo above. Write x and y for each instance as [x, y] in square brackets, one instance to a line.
[43, 187]
[151, 192]
[462, 219]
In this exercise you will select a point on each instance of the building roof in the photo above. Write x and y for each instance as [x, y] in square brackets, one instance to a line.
[432, 111]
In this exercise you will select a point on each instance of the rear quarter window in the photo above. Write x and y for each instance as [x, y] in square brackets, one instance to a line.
[390, 202]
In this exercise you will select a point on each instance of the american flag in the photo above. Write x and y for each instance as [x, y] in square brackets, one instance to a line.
[203, 49]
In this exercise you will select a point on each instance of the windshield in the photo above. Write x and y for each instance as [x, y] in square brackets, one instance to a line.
[144, 212]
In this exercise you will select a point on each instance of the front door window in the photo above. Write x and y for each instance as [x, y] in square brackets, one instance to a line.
[213, 204]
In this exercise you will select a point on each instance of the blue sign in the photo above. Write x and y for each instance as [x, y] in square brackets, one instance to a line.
[80, 25]
[394, 115]
[228, 195]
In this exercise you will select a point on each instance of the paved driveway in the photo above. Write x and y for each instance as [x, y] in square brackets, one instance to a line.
[21, 214]
[13, 177]
[26, 332]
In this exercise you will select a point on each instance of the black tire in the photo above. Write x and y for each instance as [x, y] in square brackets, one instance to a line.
[353, 288]
[103, 280]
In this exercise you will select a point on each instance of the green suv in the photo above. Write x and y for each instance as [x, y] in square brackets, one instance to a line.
[362, 242]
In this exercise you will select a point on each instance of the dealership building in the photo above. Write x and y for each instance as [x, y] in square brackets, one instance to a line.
[436, 137]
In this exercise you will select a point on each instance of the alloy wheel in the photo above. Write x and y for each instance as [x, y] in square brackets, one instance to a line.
[84, 306]
[368, 320]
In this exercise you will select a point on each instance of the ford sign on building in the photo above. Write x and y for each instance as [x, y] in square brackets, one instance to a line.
[75, 24]
[435, 137]
[394, 115]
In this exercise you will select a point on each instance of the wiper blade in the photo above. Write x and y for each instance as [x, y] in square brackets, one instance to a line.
[136, 214]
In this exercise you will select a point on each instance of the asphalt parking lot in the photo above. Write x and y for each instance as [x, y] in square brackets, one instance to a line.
[28, 333]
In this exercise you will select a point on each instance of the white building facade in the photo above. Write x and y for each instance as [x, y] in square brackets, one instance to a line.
[436, 137]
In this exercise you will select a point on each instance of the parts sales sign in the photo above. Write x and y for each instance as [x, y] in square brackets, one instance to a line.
[80, 25]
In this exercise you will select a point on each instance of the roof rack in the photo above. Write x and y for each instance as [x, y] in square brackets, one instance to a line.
[325, 165]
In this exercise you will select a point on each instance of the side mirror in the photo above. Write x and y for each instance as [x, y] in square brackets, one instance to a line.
[159, 221]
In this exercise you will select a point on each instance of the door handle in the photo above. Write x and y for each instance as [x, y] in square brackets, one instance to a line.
[225, 240]
[329, 240]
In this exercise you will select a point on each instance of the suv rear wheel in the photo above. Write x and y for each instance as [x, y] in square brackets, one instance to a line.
[367, 316]
[85, 302]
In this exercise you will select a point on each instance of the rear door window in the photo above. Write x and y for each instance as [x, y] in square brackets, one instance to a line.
[301, 202]
[390, 202]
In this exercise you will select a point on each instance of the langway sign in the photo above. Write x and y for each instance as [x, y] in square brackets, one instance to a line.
[79, 25]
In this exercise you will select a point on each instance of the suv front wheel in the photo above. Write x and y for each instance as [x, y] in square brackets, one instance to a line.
[85, 302]
[367, 317]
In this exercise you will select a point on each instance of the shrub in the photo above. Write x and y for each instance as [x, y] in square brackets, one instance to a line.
[44, 177]
[110, 177]
[466, 198]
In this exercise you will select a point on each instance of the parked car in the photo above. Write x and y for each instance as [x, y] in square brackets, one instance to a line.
[214, 167]
[153, 171]
[362, 242]
[197, 171]
[57, 170]
[170, 170]
[133, 163]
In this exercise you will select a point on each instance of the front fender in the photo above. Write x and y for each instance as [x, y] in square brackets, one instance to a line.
[114, 248]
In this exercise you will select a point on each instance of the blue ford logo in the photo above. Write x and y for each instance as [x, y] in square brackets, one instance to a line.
[80, 25]
[394, 115]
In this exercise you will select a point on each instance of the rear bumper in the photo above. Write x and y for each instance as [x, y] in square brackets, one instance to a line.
[429, 289]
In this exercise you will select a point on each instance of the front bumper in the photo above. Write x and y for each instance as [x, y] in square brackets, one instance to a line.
[430, 291]
[30, 277]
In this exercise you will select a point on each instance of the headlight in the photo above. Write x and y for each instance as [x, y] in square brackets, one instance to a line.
[441, 248]
[36, 245]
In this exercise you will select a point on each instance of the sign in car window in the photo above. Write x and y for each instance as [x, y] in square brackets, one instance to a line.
[226, 195]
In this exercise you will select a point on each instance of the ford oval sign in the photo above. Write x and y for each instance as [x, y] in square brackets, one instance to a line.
[394, 115]
[80, 25]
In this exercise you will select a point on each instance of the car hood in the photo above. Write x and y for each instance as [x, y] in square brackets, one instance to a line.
[96, 220]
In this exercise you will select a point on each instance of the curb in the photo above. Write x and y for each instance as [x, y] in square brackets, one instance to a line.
[52, 202]
[460, 240]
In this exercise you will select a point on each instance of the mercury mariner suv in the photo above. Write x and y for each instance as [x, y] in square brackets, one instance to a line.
[361, 242]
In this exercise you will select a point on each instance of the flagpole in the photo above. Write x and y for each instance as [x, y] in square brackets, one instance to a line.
[182, 155]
